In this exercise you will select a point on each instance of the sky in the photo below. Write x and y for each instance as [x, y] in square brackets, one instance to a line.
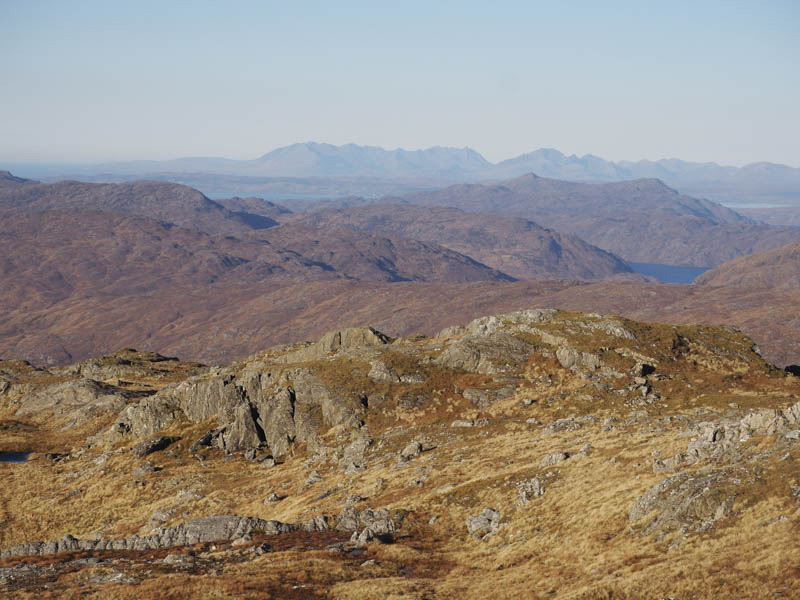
[96, 81]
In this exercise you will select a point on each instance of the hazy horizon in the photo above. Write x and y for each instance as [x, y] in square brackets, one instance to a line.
[56, 164]
[703, 82]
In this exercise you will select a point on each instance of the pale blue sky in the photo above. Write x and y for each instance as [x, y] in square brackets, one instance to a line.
[107, 80]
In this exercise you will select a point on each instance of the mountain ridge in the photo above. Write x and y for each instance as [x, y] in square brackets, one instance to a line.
[759, 181]
[515, 246]
[641, 220]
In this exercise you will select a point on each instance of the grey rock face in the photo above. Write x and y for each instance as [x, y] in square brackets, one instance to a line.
[253, 409]
[608, 326]
[316, 524]
[276, 417]
[487, 353]
[146, 417]
[143, 470]
[565, 424]
[353, 460]
[362, 539]
[313, 477]
[242, 433]
[570, 358]
[483, 398]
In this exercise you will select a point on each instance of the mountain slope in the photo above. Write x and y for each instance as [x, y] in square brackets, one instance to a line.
[776, 269]
[168, 202]
[515, 246]
[364, 256]
[9, 181]
[641, 221]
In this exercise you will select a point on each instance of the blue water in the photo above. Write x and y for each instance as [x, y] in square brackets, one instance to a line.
[668, 273]
[13, 457]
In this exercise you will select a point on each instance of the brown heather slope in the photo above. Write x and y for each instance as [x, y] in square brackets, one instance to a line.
[50, 256]
[641, 221]
[222, 322]
[65, 269]
[515, 246]
[538, 454]
[779, 268]
[168, 202]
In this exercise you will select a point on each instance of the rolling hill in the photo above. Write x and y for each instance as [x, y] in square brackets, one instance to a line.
[641, 221]
[776, 269]
[515, 246]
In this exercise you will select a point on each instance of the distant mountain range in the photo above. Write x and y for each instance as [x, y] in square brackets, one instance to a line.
[754, 183]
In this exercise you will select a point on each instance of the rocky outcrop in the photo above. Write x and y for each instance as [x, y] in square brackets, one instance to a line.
[77, 400]
[220, 528]
[258, 406]
[570, 358]
[720, 440]
[686, 501]
[146, 417]
[372, 525]
[529, 489]
[216, 528]
[334, 341]
[484, 524]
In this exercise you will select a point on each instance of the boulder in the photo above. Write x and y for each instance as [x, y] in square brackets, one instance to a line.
[412, 450]
[484, 524]
[529, 489]
[153, 444]
[378, 521]
[553, 459]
